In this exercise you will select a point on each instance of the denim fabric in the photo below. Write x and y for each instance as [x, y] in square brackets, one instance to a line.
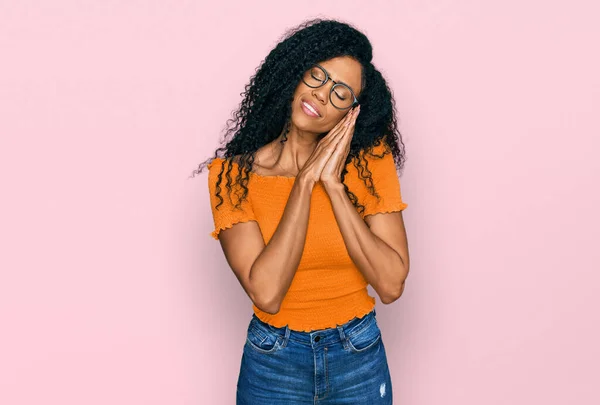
[342, 365]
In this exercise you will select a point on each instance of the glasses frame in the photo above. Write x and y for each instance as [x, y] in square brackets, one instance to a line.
[327, 78]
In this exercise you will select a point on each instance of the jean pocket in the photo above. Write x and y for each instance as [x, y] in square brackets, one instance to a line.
[365, 338]
[261, 339]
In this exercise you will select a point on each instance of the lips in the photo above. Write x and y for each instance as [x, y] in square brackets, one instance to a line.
[313, 106]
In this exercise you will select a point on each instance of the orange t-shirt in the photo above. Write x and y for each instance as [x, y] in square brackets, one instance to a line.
[327, 288]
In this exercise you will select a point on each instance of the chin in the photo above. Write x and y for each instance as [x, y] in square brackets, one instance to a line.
[304, 123]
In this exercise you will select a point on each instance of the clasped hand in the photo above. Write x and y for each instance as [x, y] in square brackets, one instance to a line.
[329, 157]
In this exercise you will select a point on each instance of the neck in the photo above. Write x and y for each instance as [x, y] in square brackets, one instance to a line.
[295, 151]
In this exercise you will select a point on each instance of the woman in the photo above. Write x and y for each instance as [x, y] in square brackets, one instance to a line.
[304, 230]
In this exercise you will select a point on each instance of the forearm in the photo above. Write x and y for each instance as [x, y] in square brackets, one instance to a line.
[380, 265]
[274, 269]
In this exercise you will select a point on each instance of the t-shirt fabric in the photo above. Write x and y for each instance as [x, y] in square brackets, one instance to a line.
[327, 288]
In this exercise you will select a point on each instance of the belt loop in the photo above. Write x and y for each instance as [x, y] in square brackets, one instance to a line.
[286, 336]
[343, 337]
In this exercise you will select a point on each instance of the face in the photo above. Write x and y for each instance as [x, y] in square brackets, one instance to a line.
[341, 69]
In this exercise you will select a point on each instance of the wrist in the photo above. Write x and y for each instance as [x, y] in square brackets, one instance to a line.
[305, 182]
[333, 185]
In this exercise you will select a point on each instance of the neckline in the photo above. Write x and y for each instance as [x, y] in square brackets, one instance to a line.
[261, 176]
[272, 176]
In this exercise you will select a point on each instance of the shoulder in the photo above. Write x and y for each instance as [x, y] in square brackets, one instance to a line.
[379, 181]
[222, 173]
[374, 155]
[224, 166]
[219, 162]
[375, 162]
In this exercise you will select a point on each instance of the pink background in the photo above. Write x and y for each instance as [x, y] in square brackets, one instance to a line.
[113, 292]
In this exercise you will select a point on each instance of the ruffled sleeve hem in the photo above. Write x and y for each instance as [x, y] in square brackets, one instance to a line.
[217, 231]
[384, 208]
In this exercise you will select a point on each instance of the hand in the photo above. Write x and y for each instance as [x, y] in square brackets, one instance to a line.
[313, 167]
[332, 172]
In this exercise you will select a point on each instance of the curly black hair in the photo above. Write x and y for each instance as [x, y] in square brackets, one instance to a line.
[266, 108]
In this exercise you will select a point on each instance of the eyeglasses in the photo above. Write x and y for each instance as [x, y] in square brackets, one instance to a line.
[341, 96]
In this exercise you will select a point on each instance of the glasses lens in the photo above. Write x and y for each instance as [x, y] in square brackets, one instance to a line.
[314, 77]
[341, 96]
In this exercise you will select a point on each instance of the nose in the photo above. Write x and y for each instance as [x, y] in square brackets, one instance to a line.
[322, 92]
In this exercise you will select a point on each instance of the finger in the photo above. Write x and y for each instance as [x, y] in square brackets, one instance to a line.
[350, 127]
[346, 118]
[339, 139]
[351, 117]
[335, 149]
[329, 143]
[344, 139]
[355, 115]
[340, 124]
[348, 143]
[339, 151]
[342, 146]
[333, 137]
[349, 131]
[347, 138]
[347, 123]
[343, 149]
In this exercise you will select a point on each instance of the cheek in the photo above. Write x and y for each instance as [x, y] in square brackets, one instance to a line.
[335, 116]
[302, 121]
[299, 118]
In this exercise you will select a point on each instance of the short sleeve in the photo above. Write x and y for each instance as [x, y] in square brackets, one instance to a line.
[226, 214]
[385, 182]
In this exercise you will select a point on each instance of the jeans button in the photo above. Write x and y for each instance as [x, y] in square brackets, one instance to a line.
[317, 338]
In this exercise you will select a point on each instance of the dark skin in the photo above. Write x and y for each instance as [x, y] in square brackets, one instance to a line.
[377, 245]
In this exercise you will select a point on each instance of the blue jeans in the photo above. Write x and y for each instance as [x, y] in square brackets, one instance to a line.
[346, 364]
